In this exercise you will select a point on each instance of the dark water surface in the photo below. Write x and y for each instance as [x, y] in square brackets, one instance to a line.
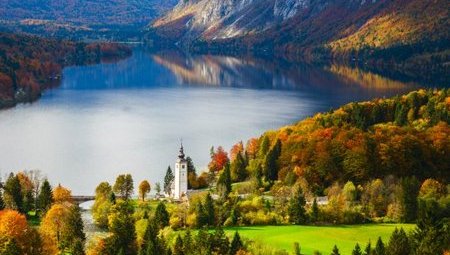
[129, 116]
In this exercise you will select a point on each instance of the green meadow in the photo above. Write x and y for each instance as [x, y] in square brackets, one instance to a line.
[320, 238]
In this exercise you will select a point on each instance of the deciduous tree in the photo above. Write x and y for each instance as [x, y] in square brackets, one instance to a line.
[144, 189]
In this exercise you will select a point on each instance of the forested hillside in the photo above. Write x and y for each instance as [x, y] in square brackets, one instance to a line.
[81, 18]
[30, 64]
[407, 34]
[402, 136]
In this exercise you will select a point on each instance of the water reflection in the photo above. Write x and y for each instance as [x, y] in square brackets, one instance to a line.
[129, 116]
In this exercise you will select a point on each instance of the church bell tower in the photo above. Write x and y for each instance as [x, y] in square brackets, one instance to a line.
[181, 175]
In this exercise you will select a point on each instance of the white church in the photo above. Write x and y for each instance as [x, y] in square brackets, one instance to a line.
[180, 183]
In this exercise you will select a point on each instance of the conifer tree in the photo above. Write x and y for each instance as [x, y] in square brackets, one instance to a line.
[45, 197]
[168, 180]
[314, 211]
[357, 250]
[238, 169]
[236, 244]
[187, 244]
[178, 247]
[2, 202]
[379, 247]
[161, 215]
[209, 210]
[224, 182]
[368, 249]
[335, 251]
[270, 162]
[398, 243]
[297, 250]
[14, 192]
[201, 217]
[410, 191]
[297, 212]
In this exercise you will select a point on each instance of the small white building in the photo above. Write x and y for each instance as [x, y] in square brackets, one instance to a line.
[180, 185]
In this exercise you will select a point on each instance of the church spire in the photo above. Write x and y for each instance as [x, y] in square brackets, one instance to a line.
[181, 155]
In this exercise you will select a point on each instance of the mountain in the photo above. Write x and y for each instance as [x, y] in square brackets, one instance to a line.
[61, 18]
[310, 28]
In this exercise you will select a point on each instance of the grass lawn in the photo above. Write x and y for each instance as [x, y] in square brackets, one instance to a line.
[321, 238]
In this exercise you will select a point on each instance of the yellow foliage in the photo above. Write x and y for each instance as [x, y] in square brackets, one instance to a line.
[61, 195]
[53, 225]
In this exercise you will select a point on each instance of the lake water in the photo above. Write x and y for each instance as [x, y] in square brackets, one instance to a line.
[129, 116]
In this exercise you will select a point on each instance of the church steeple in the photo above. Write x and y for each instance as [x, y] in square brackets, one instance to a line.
[181, 155]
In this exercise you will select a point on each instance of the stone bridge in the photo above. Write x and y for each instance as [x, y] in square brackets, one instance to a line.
[82, 199]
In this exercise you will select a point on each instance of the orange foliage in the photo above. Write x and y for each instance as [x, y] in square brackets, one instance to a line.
[237, 148]
[61, 195]
[252, 147]
[14, 225]
[218, 160]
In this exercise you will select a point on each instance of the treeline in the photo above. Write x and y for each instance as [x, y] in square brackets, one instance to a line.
[37, 219]
[30, 64]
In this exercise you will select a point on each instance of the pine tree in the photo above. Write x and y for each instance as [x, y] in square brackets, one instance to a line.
[297, 250]
[270, 162]
[13, 190]
[379, 247]
[219, 242]
[187, 244]
[238, 169]
[190, 170]
[224, 182]
[410, 191]
[357, 250]
[168, 180]
[335, 251]
[297, 212]
[161, 215]
[368, 249]
[201, 217]
[178, 247]
[45, 197]
[236, 244]
[398, 243]
[314, 211]
[209, 210]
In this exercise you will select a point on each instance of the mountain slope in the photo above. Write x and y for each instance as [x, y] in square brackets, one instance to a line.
[75, 18]
[306, 27]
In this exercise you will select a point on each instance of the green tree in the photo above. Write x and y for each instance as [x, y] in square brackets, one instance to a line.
[379, 247]
[224, 182]
[314, 211]
[13, 193]
[297, 250]
[168, 180]
[236, 244]
[45, 197]
[161, 215]
[270, 165]
[190, 170]
[124, 186]
[102, 204]
[368, 249]
[219, 243]
[357, 250]
[297, 212]
[201, 217]
[158, 188]
[432, 234]
[264, 147]
[238, 168]
[410, 191]
[209, 210]
[178, 247]
[335, 251]
[122, 226]
[188, 246]
[152, 243]
[398, 243]
[74, 232]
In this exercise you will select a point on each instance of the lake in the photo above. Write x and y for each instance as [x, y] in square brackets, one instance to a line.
[129, 116]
